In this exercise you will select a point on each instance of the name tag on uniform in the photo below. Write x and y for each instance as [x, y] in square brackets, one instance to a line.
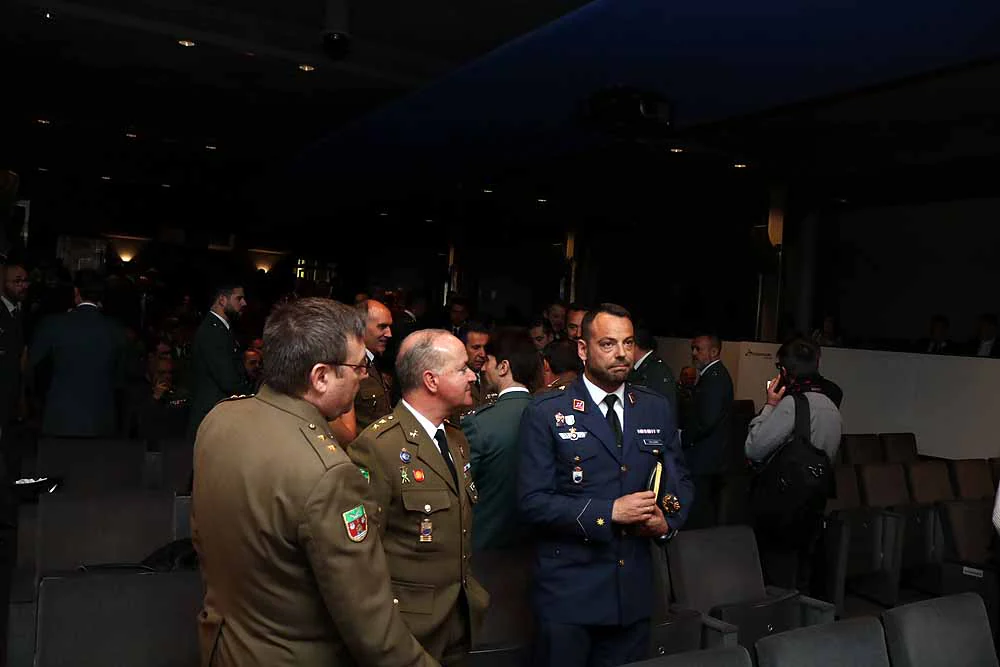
[653, 441]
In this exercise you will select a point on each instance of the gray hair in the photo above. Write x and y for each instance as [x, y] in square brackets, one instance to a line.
[305, 332]
[419, 353]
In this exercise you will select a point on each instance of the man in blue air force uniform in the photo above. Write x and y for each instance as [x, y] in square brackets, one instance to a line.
[588, 455]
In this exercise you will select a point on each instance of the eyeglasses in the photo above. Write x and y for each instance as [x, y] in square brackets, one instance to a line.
[361, 369]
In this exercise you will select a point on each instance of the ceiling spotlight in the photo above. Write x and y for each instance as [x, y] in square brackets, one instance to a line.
[42, 169]
[249, 54]
[676, 150]
[164, 185]
[48, 16]
[131, 135]
[488, 191]
[105, 178]
[185, 42]
[383, 214]
[739, 165]
[210, 147]
[42, 121]
[543, 201]
[306, 68]
[428, 221]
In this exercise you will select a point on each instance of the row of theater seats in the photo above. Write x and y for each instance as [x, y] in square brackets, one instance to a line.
[79, 555]
[925, 524]
[944, 632]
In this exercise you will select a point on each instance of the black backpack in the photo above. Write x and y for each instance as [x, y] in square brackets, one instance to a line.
[789, 492]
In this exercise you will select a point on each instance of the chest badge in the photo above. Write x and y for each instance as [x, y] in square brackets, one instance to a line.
[418, 475]
[570, 420]
[404, 475]
[405, 455]
[579, 405]
[577, 475]
[560, 419]
[426, 530]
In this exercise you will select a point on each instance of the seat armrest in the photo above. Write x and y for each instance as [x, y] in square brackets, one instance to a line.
[718, 634]
[778, 593]
[816, 611]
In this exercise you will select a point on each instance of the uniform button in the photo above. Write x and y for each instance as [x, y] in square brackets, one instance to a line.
[379, 508]
[427, 508]
[621, 563]
[624, 468]
[464, 531]
[312, 427]
[395, 600]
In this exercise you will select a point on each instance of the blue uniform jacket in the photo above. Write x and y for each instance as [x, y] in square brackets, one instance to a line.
[570, 471]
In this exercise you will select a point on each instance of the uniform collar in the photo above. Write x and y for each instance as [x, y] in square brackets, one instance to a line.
[705, 369]
[599, 394]
[424, 422]
[221, 319]
[293, 405]
[638, 362]
[511, 390]
[11, 306]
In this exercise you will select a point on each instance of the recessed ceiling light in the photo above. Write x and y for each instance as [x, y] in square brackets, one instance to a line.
[48, 15]
[105, 178]
[543, 201]
[210, 147]
[739, 165]
[488, 191]
[164, 185]
[131, 135]
[42, 121]
[306, 68]
[676, 150]
[42, 169]
[383, 214]
[249, 54]
[428, 221]
[185, 42]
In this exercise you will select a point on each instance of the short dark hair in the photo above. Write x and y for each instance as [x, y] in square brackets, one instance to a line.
[562, 356]
[473, 326]
[305, 332]
[90, 285]
[713, 339]
[224, 289]
[577, 306]
[541, 322]
[514, 345]
[799, 357]
[606, 308]
[644, 338]
[555, 303]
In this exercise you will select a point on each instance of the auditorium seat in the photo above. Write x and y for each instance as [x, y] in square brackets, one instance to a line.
[883, 487]
[861, 448]
[182, 517]
[733, 656]
[860, 544]
[973, 479]
[995, 469]
[110, 528]
[943, 632]
[858, 642]
[134, 619]
[93, 465]
[929, 485]
[899, 447]
[178, 461]
[969, 562]
[717, 571]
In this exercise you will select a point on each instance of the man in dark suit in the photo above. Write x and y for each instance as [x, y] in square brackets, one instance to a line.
[650, 370]
[374, 397]
[706, 432]
[985, 344]
[216, 363]
[87, 352]
[13, 290]
[511, 366]
[587, 457]
[938, 341]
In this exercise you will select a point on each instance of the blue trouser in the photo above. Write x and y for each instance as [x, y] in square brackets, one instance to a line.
[562, 645]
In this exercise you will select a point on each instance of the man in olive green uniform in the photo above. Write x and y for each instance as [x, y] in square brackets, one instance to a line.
[293, 575]
[475, 336]
[373, 399]
[423, 491]
[650, 370]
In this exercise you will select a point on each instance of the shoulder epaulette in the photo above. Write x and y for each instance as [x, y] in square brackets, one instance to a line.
[555, 392]
[381, 425]
[238, 397]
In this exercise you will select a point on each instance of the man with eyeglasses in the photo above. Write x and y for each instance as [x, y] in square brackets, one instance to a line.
[373, 399]
[600, 474]
[423, 491]
[294, 572]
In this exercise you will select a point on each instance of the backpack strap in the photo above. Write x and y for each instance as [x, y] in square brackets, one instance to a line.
[803, 428]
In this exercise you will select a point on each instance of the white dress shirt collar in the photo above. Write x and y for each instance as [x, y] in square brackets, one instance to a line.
[426, 423]
[11, 306]
[710, 364]
[371, 357]
[638, 362]
[221, 318]
[599, 395]
[87, 303]
[511, 390]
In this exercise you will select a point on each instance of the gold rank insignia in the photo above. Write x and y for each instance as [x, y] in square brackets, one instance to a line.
[331, 448]
[600, 521]
[671, 504]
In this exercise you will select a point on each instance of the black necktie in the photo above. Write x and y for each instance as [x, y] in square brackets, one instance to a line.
[612, 417]
[442, 442]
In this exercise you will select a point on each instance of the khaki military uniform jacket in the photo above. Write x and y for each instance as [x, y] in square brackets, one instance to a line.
[425, 522]
[293, 574]
[372, 400]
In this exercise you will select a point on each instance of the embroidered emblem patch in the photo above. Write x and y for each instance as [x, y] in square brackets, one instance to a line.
[367, 475]
[356, 522]
[578, 404]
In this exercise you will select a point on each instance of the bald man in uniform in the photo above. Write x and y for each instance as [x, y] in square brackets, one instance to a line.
[373, 399]
[293, 573]
[421, 483]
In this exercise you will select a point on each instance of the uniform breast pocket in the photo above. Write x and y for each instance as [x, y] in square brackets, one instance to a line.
[652, 446]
